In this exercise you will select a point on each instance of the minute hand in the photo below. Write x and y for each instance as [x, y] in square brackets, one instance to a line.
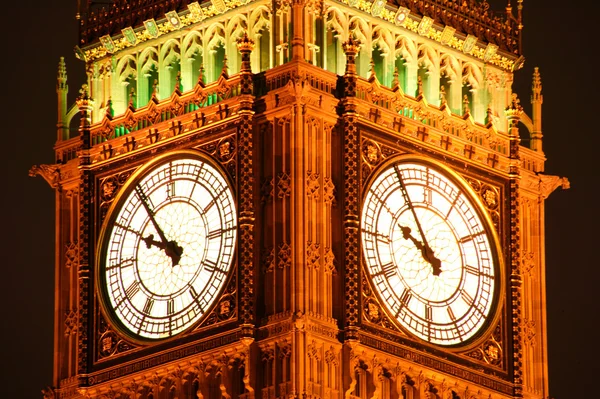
[425, 249]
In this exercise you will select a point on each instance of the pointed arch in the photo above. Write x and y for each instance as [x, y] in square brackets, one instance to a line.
[361, 30]
[214, 50]
[406, 54]
[234, 29]
[170, 66]
[260, 28]
[148, 74]
[383, 54]
[126, 80]
[336, 33]
[192, 59]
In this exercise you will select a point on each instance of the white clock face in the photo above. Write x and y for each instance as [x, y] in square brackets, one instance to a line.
[168, 247]
[428, 253]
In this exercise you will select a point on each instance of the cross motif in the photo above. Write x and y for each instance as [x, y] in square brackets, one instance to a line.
[469, 151]
[223, 111]
[398, 124]
[153, 135]
[492, 160]
[199, 119]
[446, 142]
[422, 133]
[130, 143]
[374, 114]
[107, 151]
[176, 128]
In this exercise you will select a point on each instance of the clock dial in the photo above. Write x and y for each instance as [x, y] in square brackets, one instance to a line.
[428, 252]
[168, 246]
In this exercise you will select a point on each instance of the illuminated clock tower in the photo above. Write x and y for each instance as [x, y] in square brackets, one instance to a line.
[299, 199]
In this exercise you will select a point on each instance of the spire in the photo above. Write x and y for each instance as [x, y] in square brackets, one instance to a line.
[61, 91]
[61, 76]
[536, 107]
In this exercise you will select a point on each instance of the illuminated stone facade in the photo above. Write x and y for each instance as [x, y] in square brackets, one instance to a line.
[300, 103]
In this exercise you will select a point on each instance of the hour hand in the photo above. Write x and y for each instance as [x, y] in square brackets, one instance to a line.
[171, 248]
[426, 251]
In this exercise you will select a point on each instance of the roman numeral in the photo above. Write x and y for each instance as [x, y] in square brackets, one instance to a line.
[427, 196]
[210, 205]
[194, 295]
[428, 312]
[133, 289]
[214, 234]
[148, 305]
[388, 270]
[170, 307]
[451, 313]
[472, 270]
[466, 297]
[170, 189]
[406, 296]
[470, 237]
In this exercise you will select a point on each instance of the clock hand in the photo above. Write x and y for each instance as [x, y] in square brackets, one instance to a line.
[423, 246]
[426, 251]
[171, 248]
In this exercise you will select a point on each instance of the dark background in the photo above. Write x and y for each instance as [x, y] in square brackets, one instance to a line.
[556, 38]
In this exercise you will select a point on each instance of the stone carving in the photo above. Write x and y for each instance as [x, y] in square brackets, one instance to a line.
[284, 256]
[71, 255]
[283, 185]
[312, 254]
[312, 184]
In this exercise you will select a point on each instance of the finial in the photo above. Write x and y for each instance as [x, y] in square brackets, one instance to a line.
[84, 100]
[537, 79]
[372, 74]
[201, 75]
[178, 81]
[395, 81]
[154, 88]
[131, 97]
[224, 72]
[489, 114]
[515, 103]
[62, 69]
[442, 96]
[514, 110]
[466, 109]
[61, 76]
[351, 47]
[244, 43]
[110, 112]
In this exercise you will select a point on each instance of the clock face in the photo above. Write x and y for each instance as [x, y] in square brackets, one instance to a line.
[428, 252]
[167, 247]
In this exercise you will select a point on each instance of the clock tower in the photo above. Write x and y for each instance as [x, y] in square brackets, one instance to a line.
[299, 199]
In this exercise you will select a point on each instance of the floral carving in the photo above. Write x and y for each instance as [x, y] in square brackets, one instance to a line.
[328, 191]
[312, 184]
[284, 255]
[283, 185]
[70, 322]
[268, 259]
[267, 190]
[312, 254]
[329, 261]
[71, 254]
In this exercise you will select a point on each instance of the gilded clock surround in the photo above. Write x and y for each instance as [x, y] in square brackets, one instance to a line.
[300, 120]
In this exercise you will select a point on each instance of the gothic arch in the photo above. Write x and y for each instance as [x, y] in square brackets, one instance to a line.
[336, 21]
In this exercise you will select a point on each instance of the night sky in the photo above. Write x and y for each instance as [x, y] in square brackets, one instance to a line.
[557, 39]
